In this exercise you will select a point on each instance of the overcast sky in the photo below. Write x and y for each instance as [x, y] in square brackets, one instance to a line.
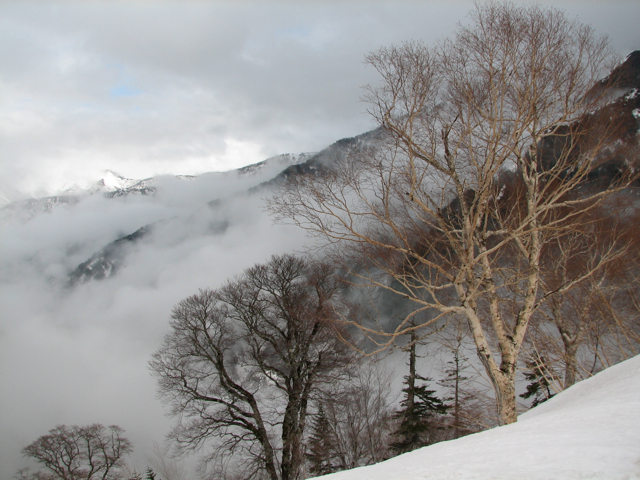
[152, 88]
[145, 88]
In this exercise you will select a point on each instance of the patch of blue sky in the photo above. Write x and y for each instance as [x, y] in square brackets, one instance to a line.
[123, 90]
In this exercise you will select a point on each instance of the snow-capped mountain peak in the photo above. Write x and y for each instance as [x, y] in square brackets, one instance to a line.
[113, 181]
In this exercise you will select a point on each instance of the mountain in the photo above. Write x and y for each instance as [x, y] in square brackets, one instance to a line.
[623, 77]
[24, 210]
[621, 109]
[88, 281]
[107, 261]
[111, 185]
[114, 185]
[333, 153]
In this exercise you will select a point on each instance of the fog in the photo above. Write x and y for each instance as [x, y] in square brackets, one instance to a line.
[78, 355]
[160, 89]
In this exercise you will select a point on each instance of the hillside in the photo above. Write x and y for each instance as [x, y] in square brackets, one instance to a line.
[591, 430]
[89, 279]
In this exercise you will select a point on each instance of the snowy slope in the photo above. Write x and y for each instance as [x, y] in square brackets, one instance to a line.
[114, 181]
[114, 185]
[590, 431]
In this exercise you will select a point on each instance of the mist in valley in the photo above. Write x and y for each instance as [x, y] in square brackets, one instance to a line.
[78, 354]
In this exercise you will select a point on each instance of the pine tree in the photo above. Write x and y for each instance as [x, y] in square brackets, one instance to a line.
[454, 381]
[538, 374]
[321, 445]
[419, 408]
[151, 475]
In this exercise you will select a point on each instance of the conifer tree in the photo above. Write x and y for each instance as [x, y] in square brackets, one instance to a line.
[151, 475]
[419, 407]
[321, 446]
[454, 381]
[538, 375]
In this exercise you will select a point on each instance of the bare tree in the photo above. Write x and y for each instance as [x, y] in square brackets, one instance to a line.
[168, 467]
[241, 363]
[487, 152]
[357, 424]
[595, 316]
[79, 453]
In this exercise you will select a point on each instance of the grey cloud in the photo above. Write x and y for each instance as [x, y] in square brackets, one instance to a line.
[276, 76]
[214, 85]
[285, 77]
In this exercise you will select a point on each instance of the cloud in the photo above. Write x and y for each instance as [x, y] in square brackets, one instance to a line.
[79, 355]
[160, 88]
[151, 88]
[281, 76]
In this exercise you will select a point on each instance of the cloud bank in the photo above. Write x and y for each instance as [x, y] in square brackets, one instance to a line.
[149, 88]
[78, 355]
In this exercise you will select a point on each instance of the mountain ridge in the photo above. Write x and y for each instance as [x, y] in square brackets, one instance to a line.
[624, 109]
[113, 185]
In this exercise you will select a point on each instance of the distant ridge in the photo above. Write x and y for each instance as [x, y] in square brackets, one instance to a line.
[113, 185]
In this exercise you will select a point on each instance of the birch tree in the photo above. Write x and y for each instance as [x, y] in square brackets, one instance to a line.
[488, 149]
[596, 317]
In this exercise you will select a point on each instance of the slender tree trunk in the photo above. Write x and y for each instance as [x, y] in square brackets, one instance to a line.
[456, 397]
[570, 357]
[269, 454]
[411, 381]
[288, 433]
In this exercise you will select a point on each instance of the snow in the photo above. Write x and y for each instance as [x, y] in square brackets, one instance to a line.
[589, 431]
[115, 181]
[279, 161]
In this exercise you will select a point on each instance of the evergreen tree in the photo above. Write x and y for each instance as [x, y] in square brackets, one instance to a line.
[538, 374]
[419, 407]
[417, 419]
[321, 446]
[151, 475]
[454, 381]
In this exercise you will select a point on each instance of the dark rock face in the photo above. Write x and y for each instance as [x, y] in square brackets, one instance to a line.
[626, 75]
[615, 125]
[107, 261]
[110, 259]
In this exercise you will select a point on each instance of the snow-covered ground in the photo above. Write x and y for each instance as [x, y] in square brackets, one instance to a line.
[590, 431]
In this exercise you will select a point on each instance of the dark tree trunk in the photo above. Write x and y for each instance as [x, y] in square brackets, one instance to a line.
[570, 343]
